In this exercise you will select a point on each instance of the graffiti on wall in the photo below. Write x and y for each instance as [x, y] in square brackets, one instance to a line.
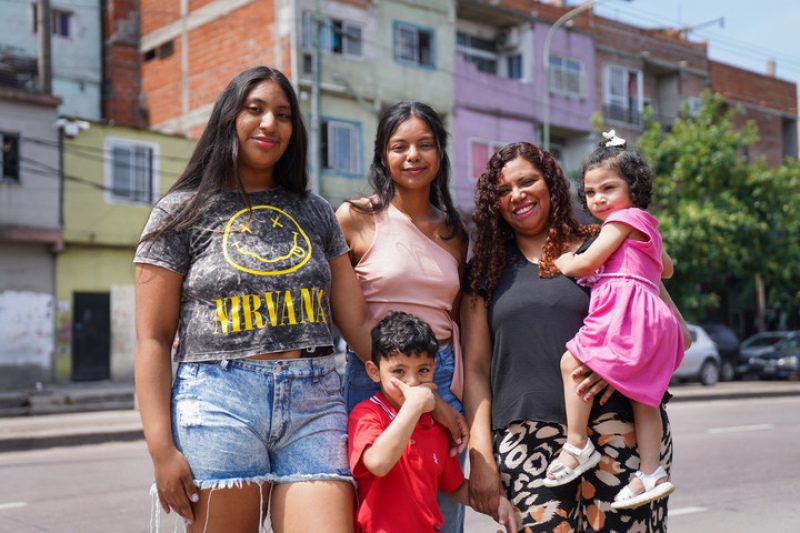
[26, 328]
[123, 332]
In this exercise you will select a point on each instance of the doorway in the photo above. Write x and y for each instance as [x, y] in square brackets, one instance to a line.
[91, 336]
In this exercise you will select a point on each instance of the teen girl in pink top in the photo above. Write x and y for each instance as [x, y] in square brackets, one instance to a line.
[409, 246]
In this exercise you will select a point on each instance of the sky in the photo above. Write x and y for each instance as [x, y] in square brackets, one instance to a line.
[752, 32]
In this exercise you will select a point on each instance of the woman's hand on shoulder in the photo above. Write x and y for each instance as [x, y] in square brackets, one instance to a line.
[358, 228]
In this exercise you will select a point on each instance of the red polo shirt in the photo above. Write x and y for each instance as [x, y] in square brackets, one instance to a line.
[404, 499]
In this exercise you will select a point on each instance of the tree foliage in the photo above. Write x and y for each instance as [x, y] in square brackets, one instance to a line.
[724, 219]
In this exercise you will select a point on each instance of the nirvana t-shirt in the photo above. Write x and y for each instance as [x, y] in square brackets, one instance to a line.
[255, 280]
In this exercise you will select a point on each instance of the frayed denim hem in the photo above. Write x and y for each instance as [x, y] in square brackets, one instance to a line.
[155, 504]
[299, 478]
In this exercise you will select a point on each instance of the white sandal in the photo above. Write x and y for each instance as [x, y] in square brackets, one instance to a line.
[626, 499]
[587, 458]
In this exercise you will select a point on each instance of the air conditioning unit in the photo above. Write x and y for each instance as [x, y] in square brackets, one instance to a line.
[508, 39]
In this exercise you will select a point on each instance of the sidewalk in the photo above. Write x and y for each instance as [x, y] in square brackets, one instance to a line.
[93, 413]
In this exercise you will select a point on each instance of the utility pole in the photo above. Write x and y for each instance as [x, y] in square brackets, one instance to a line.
[44, 63]
[316, 159]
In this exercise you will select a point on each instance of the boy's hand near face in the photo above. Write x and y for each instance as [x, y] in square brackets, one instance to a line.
[420, 398]
[387, 449]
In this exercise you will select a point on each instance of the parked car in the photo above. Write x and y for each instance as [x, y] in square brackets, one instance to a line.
[728, 347]
[701, 361]
[756, 346]
[782, 362]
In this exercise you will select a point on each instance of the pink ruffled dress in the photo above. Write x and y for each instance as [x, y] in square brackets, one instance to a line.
[631, 337]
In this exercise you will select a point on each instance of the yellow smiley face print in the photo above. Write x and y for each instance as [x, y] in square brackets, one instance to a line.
[265, 241]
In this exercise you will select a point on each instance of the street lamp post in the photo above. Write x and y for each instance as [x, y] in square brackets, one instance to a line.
[569, 15]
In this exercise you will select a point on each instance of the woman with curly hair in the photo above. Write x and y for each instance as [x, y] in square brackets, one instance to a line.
[516, 321]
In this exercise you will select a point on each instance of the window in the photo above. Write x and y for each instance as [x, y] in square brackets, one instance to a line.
[340, 142]
[162, 52]
[413, 45]
[500, 56]
[694, 105]
[479, 153]
[479, 51]
[60, 22]
[622, 94]
[335, 36]
[514, 66]
[131, 171]
[10, 156]
[566, 76]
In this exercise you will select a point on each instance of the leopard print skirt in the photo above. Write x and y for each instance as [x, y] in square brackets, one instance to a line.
[523, 451]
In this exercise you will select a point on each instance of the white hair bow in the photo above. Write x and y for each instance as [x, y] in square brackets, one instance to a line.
[613, 140]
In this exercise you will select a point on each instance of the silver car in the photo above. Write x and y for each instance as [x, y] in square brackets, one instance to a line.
[701, 361]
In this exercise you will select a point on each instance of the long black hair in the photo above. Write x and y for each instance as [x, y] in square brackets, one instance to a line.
[380, 178]
[215, 159]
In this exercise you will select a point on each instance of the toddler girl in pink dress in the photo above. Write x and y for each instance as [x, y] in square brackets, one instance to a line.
[632, 337]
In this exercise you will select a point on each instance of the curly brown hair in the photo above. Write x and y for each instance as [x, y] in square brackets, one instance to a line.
[492, 232]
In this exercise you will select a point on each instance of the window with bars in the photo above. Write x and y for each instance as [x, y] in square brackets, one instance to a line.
[131, 171]
[413, 45]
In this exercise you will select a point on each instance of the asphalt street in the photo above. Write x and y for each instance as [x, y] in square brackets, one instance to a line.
[68, 422]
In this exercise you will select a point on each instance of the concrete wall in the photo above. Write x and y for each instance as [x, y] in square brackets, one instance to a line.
[30, 234]
[27, 337]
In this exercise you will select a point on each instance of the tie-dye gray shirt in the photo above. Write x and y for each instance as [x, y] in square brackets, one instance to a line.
[254, 282]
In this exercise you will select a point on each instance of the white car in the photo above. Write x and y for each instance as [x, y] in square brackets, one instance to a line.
[701, 361]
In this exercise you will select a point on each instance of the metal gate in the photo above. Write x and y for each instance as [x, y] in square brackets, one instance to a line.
[91, 335]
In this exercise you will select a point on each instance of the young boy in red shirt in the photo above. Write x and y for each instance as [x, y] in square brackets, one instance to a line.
[399, 454]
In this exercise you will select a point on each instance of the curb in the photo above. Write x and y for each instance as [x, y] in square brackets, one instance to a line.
[114, 419]
[34, 442]
[711, 396]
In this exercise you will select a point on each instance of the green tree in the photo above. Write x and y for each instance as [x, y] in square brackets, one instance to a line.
[731, 226]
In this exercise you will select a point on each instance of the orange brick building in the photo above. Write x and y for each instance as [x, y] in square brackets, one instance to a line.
[188, 57]
[768, 101]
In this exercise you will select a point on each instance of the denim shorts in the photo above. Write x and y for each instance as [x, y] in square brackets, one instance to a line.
[358, 386]
[253, 420]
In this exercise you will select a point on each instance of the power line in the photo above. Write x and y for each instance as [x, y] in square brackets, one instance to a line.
[741, 48]
[41, 169]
